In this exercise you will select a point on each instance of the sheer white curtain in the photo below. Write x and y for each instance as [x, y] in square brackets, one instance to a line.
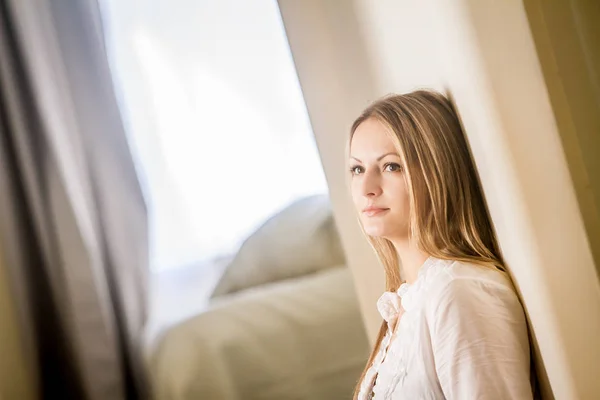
[217, 118]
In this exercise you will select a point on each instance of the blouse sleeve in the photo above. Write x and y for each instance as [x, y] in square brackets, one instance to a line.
[480, 343]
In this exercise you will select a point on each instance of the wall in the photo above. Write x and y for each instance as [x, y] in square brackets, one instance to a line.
[15, 380]
[337, 83]
[495, 76]
[483, 54]
[343, 61]
[567, 37]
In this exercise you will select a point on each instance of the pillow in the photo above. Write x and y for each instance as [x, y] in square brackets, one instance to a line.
[299, 240]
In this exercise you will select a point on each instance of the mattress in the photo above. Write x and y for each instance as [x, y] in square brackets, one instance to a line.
[296, 339]
[178, 294]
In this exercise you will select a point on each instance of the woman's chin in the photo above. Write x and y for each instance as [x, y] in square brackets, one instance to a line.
[377, 231]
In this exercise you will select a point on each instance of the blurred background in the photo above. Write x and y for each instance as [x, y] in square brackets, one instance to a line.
[174, 217]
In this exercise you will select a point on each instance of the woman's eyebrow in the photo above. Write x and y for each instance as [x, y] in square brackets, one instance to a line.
[392, 153]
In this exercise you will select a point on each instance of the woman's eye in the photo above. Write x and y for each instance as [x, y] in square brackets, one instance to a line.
[356, 170]
[392, 167]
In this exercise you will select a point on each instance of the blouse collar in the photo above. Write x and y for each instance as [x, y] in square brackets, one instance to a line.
[390, 304]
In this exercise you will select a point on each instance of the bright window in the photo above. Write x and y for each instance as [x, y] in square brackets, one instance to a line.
[216, 118]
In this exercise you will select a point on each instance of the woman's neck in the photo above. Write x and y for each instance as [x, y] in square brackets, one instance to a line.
[411, 259]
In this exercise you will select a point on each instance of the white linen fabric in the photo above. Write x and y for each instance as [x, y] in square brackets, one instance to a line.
[299, 240]
[463, 335]
[300, 339]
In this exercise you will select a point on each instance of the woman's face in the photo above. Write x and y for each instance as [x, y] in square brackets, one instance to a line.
[378, 183]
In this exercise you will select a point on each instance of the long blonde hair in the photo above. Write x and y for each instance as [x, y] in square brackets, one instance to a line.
[449, 219]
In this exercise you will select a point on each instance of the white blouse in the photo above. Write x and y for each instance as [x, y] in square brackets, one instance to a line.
[462, 335]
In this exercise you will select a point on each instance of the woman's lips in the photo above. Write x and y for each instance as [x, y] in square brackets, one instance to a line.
[373, 211]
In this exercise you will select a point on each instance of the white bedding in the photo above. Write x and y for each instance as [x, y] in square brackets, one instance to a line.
[179, 294]
[295, 339]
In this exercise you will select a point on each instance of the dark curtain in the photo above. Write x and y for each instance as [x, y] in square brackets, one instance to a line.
[73, 225]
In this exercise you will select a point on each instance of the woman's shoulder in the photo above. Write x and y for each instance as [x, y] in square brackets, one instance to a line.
[444, 272]
[461, 281]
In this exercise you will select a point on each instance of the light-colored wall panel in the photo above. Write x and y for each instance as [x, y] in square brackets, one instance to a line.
[567, 39]
[495, 76]
[347, 54]
[483, 54]
[334, 72]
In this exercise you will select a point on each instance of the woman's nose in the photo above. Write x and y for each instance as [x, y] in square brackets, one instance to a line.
[371, 185]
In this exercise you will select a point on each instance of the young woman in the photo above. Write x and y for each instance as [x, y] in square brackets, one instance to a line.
[454, 328]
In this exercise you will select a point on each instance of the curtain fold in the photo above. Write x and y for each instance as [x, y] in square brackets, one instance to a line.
[72, 216]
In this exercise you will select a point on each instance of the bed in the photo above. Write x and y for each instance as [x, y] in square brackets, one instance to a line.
[293, 337]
